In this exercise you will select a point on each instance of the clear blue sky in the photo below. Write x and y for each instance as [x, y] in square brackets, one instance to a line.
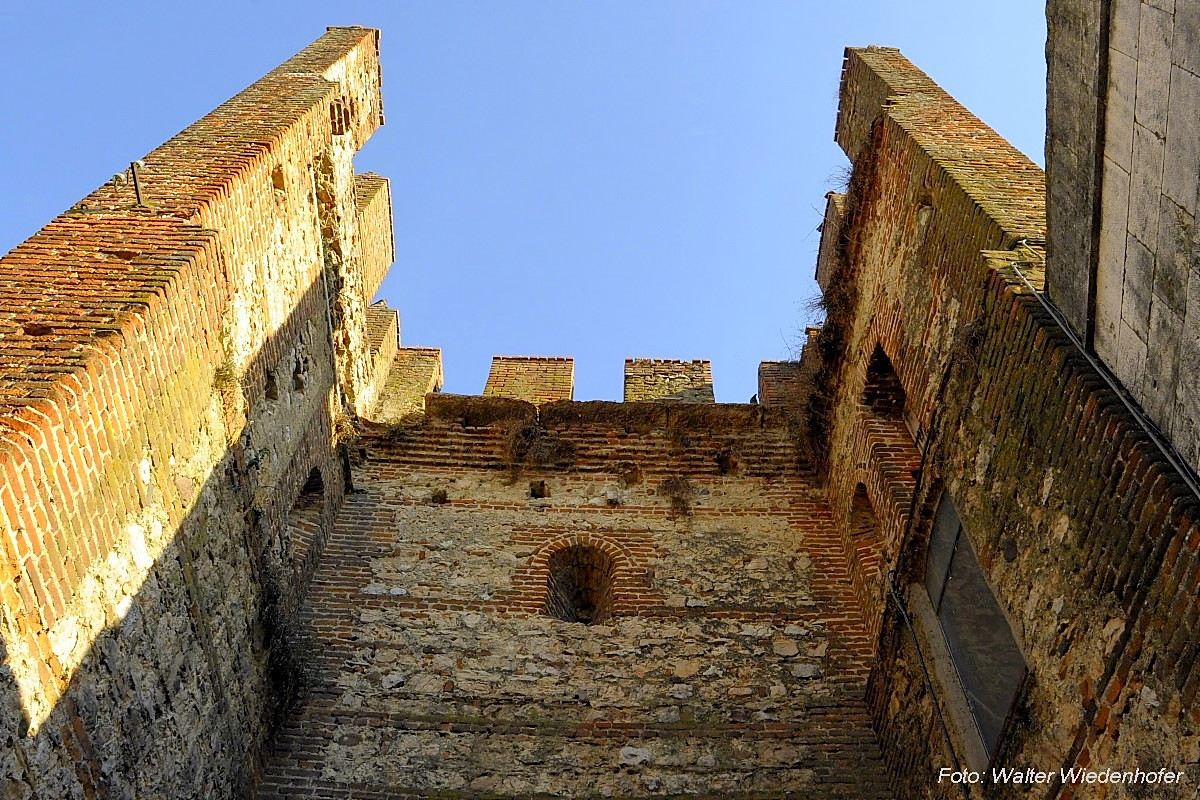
[593, 179]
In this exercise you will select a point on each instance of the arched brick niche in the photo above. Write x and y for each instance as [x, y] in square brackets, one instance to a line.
[579, 587]
[864, 524]
[882, 392]
[306, 513]
[306, 523]
[866, 550]
[585, 577]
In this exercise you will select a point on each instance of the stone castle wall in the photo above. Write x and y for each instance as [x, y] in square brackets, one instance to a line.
[731, 662]
[1081, 526]
[528, 596]
[1124, 167]
[173, 378]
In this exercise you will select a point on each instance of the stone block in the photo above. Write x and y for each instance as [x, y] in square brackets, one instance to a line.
[1185, 42]
[1110, 273]
[1172, 257]
[1122, 86]
[1123, 35]
[1162, 364]
[1131, 358]
[1154, 69]
[1145, 185]
[1139, 287]
[1181, 168]
[1189, 343]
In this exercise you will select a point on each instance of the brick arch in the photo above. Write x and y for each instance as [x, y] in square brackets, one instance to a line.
[632, 585]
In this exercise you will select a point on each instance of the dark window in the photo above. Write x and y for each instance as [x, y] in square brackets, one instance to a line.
[314, 484]
[882, 392]
[982, 646]
[579, 588]
[298, 373]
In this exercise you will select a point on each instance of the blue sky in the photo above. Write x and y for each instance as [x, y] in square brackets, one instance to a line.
[592, 179]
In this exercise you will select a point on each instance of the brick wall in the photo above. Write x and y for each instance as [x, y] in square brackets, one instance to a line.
[827, 258]
[668, 379]
[171, 378]
[536, 379]
[1082, 529]
[413, 373]
[783, 384]
[932, 187]
[373, 199]
[733, 663]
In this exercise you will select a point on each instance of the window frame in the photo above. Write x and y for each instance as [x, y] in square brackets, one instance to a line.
[947, 539]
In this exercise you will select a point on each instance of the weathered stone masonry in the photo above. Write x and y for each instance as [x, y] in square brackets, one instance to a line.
[173, 374]
[1123, 160]
[1086, 534]
[249, 550]
[732, 662]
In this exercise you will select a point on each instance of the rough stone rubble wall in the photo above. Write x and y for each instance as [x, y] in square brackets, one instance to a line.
[734, 664]
[1086, 537]
[1124, 196]
[170, 382]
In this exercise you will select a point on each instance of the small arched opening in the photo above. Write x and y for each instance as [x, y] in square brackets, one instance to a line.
[304, 521]
[314, 485]
[579, 586]
[869, 561]
[864, 525]
[882, 392]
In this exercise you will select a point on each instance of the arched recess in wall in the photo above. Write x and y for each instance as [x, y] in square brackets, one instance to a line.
[882, 392]
[884, 396]
[304, 520]
[579, 586]
[866, 536]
